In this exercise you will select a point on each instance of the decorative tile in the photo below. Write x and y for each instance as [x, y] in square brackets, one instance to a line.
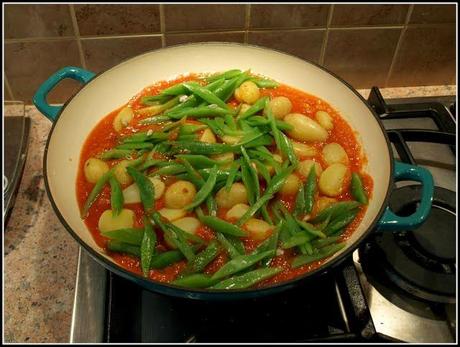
[101, 54]
[305, 44]
[426, 57]
[117, 19]
[362, 57]
[175, 39]
[288, 16]
[204, 17]
[22, 21]
[350, 15]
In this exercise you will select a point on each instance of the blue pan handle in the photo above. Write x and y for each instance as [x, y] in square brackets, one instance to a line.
[391, 221]
[76, 73]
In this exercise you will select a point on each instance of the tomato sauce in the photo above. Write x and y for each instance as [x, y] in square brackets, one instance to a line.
[104, 137]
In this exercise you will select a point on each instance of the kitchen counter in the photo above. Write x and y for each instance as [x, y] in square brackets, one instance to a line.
[40, 257]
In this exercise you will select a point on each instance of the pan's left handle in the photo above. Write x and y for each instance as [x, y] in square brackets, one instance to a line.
[39, 99]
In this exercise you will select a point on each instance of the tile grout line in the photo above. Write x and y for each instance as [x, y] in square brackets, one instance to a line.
[326, 35]
[77, 35]
[247, 23]
[8, 87]
[398, 45]
[162, 26]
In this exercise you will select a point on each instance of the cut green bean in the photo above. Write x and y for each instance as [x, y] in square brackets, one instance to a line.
[325, 242]
[202, 259]
[225, 75]
[196, 280]
[147, 247]
[97, 189]
[340, 222]
[116, 196]
[232, 175]
[310, 190]
[335, 210]
[300, 205]
[241, 263]
[146, 189]
[287, 149]
[154, 120]
[123, 247]
[259, 105]
[323, 253]
[310, 229]
[198, 112]
[135, 145]
[204, 191]
[206, 95]
[248, 279]
[222, 226]
[228, 246]
[116, 154]
[265, 83]
[132, 236]
[357, 189]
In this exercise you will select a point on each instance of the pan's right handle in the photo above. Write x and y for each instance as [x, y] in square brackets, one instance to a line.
[39, 99]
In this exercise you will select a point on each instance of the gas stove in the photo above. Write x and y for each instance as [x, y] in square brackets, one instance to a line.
[397, 287]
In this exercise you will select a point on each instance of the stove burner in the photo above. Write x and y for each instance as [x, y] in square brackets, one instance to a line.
[420, 262]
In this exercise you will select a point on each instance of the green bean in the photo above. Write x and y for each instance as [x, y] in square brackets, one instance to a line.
[230, 121]
[276, 133]
[222, 175]
[266, 157]
[212, 205]
[340, 221]
[149, 163]
[154, 120]
[122, 247]
[276, 212]
[306, 248]
[146, 189]
[241, 263]
[155, 99]
[156, 109]
[228, 246]
[116, 154]
[116, 196]
[299, 208]
[310, 229]
[171, 169]
[265, 83]
[291, 222]
[202, 259]
[310, 190]
[325, 242]
[323, 253]
[185, 235]
[205, 190]
[194, 176]
[215, 84]
[262, 121]
[248, 279]
[97, 189]
[198, 112]
[275, 184]
[135, 145]
[201, 161]
[206, 95]
[188, 129]
[250, 180]
[225, 91]
[287, 149]
[225, 75]
[164, 259]
[357, 189]
[195, 281]
[147, 247]
[177, 89]
[262, 169]
[296, 240]
[271, 242]
[221, 226]
[231, 177]
[256, 107]
[175, 237]
[335, 210]
[132, 236]
[202, 147]
[281, 125]
[137, 137]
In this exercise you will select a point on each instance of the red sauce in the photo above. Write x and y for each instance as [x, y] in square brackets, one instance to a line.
[103, 137]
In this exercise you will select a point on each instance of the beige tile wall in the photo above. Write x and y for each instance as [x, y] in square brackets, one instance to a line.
[383, 45]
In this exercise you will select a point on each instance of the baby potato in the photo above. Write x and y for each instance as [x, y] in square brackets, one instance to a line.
[179, 194]
[303, 150]
[322, 202]
[188, 224]
[236, 195]
[258, 229]
[332, 180]
[107, 221]
[94, 169]
[123, 118]
[247, 92]
[280, 106]
[121, 174]
[324, 119]
[291, 185]
[131, 193]
[305, 167]
[172, 214]
[334, 153]
[208, 136]
[305, 128]
[237, 211]
[231, 140]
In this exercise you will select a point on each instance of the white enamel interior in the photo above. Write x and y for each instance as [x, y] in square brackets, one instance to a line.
[116, 86]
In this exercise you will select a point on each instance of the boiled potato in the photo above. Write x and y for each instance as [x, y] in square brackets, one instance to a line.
[332, 180]
[324, 119]
[188, 224]
[94, 169]
[306, 165]
[236, 195]
[180, 194]
[280, 106]
[291, 185]
[172, 214]
[247, 92]
[131, 193]
[208, 136]
[121, 174]
[305, 128]
[123, 118]
[258, 229]
[237, 211]
[231, 140]
[303, 150]
[108, 222]
[334, 153]
[322, 202]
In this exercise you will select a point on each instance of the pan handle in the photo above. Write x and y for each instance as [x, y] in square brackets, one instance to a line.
[391, 221]
[39, 99]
